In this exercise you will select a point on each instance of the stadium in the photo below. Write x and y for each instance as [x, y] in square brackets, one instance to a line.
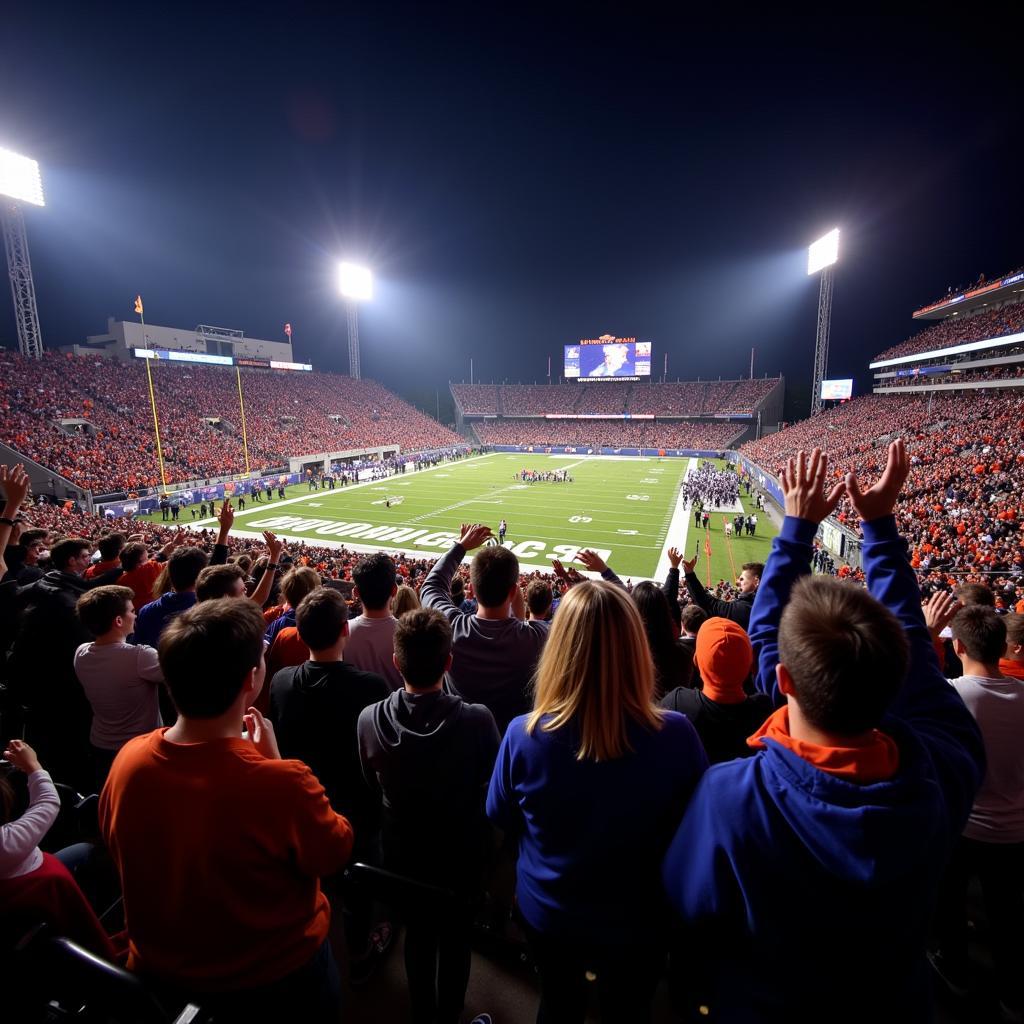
[566, 693]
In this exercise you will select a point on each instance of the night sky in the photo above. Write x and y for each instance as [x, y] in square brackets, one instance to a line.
[516, 180]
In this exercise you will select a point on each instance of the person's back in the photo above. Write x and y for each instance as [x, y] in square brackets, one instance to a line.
[371, 635]
[857, 789]
[494, 653]
[183, 569]
[219, 843]
[315, 706]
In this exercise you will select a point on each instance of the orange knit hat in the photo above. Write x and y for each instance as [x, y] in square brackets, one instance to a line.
[724, 656]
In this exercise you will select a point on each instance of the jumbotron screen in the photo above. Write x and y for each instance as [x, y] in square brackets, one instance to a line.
[836, 390]
[607, 357]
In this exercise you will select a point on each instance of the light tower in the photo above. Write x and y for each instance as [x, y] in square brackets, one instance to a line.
[821, 256]
[356, 285]
[20, 183]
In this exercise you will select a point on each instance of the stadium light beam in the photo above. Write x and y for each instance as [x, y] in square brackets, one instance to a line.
[356, 284]
[822, 256]
[20, 182]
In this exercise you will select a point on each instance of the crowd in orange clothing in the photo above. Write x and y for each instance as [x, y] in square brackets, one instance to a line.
[287, 414]
[956, 330]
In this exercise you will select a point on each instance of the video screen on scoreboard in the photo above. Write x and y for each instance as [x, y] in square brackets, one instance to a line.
[836, 390]
[608, 357]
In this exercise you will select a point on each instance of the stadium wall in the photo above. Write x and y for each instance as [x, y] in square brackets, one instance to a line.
[124, 335]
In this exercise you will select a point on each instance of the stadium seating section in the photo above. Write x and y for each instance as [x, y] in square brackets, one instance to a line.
[609, 433]
[994, 323]
[287, 414]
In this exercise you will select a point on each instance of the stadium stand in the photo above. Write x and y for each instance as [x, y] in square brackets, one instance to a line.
[609, 433]
[111, 447]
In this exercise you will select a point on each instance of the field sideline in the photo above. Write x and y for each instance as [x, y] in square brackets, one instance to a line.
[624, 508]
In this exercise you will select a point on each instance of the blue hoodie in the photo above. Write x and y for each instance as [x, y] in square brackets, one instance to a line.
[807, 895]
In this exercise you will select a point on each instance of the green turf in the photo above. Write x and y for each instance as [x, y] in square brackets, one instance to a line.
[619, 507]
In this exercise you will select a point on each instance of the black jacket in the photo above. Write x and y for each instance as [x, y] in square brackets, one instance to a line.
[737, 611]
[429, 757]
[314, 707]
[723, 728]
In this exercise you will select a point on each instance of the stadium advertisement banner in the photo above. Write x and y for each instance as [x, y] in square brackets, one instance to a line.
[544, 449]
[182, 357]
[263, 364]
[607, 357]
[276, 365]
[192, 495]
[923, 371]
[595, 416]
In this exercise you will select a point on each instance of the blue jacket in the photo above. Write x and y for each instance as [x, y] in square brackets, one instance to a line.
[281, 622]
[152, 617]
[808, 895]
[593, 833]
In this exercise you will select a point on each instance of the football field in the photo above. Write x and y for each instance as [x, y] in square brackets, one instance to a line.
[626, 509]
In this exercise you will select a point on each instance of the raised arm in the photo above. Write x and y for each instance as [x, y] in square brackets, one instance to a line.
[807, 504]
[226, 517]
[670, 588]
[436, 591]
[274, 548]
[595, 563]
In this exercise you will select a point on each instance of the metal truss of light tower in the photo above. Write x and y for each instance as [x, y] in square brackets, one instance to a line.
[20, 183]
[356, 285]
[822, 256]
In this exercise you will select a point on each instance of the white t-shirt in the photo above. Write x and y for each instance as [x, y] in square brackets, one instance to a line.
[371, 643]
[121, 683]
[998, 708]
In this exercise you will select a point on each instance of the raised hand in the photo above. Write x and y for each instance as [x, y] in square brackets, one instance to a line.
[880, 499]
[274, 546]
[803, 485]
[22, 756]
[592, 560]
[473, 535]
[226, 518]
[939, 611]
[14, 484]
[261, 733]
[689, 564]
[675, 556]
[558, 569]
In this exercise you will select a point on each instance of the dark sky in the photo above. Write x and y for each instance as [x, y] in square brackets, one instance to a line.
[516, 180]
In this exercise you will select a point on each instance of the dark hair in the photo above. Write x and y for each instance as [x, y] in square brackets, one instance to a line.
[757, 568]
[206, 653]
[31, 536]
[661, 639]
[539, 597]
[64, 550]
[982, 632]
[110, 546]
[375, 578]
[692, 618]
[217, 581]
[298, 583]
[184, 567]
[494, 572]
[320, 618]
[423, 641]
[846, 653]
[975, 594]
[1014, 628]
[133, 555]
[97, 608]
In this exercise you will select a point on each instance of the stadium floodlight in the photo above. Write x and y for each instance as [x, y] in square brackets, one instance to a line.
[823, 253]
[19, 178]
[356, 282]
[20, 183]
[822, 256]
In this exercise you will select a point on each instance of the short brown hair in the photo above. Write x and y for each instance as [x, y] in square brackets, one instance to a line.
[110, 546]
[299, 582]
[207, 652]
[64, 550]
[846, 653]
[133, 555]
[539, 597]
[757, 568]
[982, 632]
[975, 593]
[97, 608]
[320, 618]
[217, 581]
[692, 617]
[423, 641]
[494, 572]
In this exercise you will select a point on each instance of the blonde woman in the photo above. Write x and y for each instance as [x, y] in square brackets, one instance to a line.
[595, 780]
[405, 600]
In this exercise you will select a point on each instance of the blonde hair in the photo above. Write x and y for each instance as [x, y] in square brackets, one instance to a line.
[405, 600]
[596, 672]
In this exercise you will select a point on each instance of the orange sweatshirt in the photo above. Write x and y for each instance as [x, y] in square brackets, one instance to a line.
[220, 852]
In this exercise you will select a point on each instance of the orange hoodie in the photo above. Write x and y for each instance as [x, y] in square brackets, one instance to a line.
[875, 761]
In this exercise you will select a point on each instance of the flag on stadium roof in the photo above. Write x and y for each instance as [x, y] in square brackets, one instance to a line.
[138, 304]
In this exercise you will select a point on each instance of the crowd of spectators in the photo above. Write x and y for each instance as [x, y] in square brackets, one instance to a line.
[958, 330]
[961, 508]
[716, 436]
[974, 374]
[677, 789]
[613, 398]
[113, 447]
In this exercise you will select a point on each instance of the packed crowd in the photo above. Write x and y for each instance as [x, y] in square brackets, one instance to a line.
[961, 508]
[955, 330]
[708, 486]
[287, 414]
[677, 788]
[612, 398]
[610, 433]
